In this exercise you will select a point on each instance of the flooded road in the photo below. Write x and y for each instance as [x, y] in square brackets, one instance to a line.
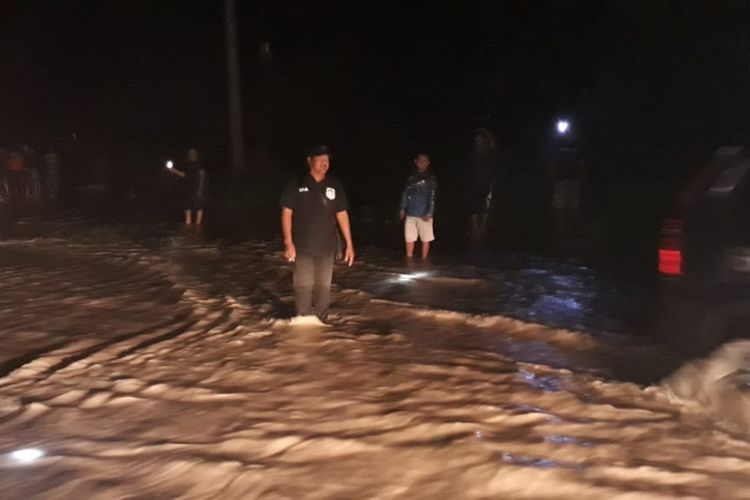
[166, 366]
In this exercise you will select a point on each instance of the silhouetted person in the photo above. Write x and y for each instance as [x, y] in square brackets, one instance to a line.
[16, 174]
[194, 187]
[31, 168]
[52, 172]
[480, 190]
[4, 189]
[567, 175]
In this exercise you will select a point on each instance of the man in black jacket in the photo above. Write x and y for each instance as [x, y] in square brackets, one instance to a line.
[311, 208]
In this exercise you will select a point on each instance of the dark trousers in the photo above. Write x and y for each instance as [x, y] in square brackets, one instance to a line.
[313, 276]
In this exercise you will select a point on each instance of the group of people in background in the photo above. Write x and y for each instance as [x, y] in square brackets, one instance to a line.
[315, 220]
[417, 209]
[27, 175]
[564, 177]
[418, 198]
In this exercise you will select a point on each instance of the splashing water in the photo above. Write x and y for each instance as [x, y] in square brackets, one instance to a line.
[168, 367]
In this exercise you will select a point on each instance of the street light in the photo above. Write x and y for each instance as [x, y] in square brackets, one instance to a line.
[563, 127]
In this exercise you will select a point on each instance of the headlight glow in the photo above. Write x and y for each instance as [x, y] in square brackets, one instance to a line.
[26, 455]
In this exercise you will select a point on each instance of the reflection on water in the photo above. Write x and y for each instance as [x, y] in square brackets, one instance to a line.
[166, 366]
[562, 294]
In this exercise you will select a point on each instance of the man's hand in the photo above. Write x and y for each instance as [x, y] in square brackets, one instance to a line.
[401, 215]
[349, 255]
[427, 218]
[290, 253]
[343, 219]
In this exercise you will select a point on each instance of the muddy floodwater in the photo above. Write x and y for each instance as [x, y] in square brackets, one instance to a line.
[167, 366]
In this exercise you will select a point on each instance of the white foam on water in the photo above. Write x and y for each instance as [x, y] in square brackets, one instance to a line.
[305, 321]
[718, 384]
[178, 381]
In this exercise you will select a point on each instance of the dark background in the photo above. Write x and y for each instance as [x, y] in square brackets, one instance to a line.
[651, 87]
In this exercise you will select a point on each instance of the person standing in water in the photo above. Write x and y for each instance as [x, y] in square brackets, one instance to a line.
[313, 208]
[418, 207]
[480, 190]
[567, 176]
[195, 184]
[52, 173]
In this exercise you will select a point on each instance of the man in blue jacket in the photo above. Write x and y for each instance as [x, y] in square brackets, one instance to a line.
[418, 206]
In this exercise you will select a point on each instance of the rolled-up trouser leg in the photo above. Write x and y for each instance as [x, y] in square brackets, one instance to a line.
[304, 280]
[323, 278]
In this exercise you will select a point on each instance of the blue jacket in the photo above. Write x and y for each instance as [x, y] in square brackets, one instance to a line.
[418, 198]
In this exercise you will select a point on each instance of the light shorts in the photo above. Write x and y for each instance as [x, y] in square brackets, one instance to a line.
[416, 227]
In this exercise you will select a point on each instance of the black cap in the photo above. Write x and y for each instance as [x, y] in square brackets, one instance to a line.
[319, 151]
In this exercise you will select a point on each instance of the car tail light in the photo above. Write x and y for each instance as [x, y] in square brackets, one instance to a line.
[670, 247]
[670, 262]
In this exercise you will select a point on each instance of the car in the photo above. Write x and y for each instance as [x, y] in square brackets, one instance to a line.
[704, 257]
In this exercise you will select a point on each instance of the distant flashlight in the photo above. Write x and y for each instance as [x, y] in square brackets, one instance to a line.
[26, 455]
[170, 164]
[563, 126]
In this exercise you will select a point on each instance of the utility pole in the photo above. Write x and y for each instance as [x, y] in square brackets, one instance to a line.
[235, 98]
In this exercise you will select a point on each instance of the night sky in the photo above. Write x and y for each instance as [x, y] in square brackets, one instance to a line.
[651, 86]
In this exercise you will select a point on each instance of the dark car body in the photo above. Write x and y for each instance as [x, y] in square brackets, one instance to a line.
[704, 256]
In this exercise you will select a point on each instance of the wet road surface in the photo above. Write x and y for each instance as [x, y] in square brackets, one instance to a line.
[166, 366]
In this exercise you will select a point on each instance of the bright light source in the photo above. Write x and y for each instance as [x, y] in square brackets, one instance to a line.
[670, 261]
[170, 164]
[26, 455]
[405, 278]
[563, 126]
